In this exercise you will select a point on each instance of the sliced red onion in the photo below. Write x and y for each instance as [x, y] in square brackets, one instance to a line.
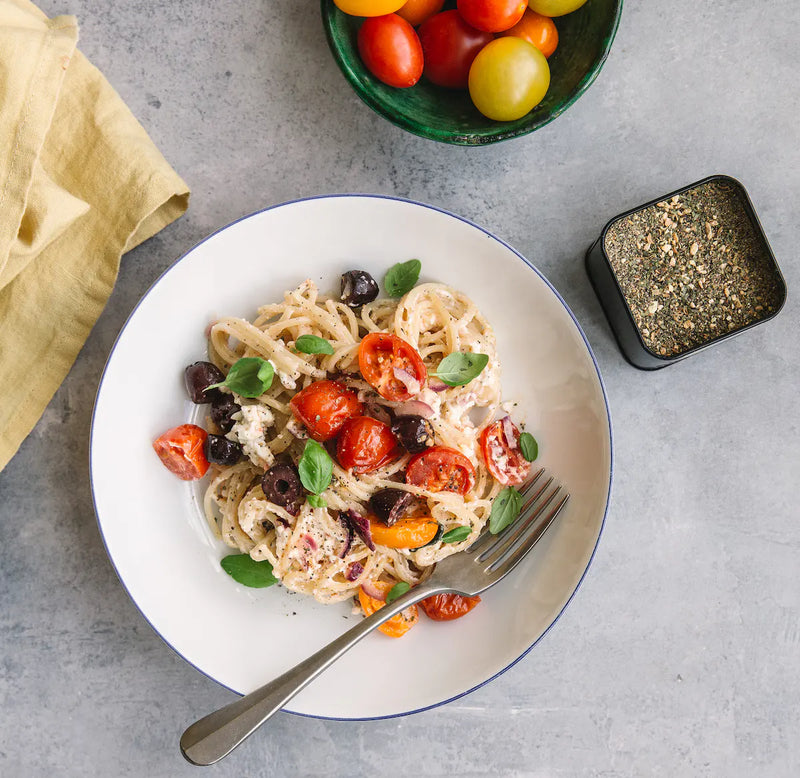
[310, 542]
[379, 412]
[373, 591]
[436, 384]
[348, 540]
[354, 571]
[508, 432]
[360, 526]
[410, 382]
[414, 408]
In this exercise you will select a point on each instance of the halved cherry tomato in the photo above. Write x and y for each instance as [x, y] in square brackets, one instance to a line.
[449, 45]
[539, 30]
[390, 49]
[446, 607]
[365, 444]
[492, 15]
[368, 7]
[409, 532]
[441, 469]
[391, 365]
[503, 456]
[398, 625]
[324, 407]
[181, 451]
[415, 12]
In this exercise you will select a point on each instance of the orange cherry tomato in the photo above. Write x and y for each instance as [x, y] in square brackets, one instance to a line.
[365, 444]
[181, 451]
[417, 11]
[409, 532]
[503, 456]
[446, 607]
[324, 407]
[398, 625]
[368, 7]
[441, 469]
[536, 29]
[492, 15]
[391, 365]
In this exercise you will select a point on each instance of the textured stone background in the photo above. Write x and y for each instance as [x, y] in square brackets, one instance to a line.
[680, 656]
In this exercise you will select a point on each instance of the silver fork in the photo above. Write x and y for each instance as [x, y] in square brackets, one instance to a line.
[489, 559]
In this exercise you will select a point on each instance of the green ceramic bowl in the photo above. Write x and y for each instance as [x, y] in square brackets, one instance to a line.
[447, 115]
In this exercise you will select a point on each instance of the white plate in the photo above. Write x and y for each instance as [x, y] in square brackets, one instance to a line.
[152, 523]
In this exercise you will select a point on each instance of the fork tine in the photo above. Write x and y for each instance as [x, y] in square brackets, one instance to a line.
[518, 552]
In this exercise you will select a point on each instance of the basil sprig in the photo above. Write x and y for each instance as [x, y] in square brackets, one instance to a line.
[315, 468]
[402, 277]
[313, 344]
[456, 535]
[316, 501]
[246, 571]
[528, 446]
[396, 591]
[505, 509]
[248, 377]
[461, 367]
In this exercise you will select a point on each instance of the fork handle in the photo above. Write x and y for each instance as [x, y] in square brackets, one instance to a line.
[214, 736]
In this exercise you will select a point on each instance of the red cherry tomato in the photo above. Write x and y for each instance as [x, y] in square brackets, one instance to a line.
[539, 30]
[492, 15]
[449, 45]
[503, 456]
[365, 444]
[441, 469]
[415, 12]
[324, 407]
[390, 49]
[391, 365]
[181, 451]
[445, 607]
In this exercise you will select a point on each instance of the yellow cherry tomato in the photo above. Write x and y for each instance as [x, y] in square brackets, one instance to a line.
[368, 7]
[555, 7]
[508, 78]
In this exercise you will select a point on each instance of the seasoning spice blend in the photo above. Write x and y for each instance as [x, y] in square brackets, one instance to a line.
[694, 267]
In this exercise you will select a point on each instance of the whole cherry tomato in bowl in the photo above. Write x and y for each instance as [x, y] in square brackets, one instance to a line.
[555, 7]
[391, 50]
[539, 30]
[415, 12]
[492, 15]
[368, 7]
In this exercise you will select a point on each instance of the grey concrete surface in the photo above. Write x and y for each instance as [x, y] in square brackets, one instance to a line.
[680, 655]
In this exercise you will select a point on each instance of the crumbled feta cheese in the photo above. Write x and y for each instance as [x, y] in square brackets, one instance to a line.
[287, 381]
[250, 431]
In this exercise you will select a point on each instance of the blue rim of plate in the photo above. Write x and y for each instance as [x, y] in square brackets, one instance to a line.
[488, 234]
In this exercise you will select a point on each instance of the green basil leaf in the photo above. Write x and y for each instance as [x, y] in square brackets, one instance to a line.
[311, 344]
[528, 446]
[402, 277]
[505, 509]
[456, 535]
[315, 467]
[316, 501]
[396, 591]
[248, 377]
[461, 367]
[246, 571]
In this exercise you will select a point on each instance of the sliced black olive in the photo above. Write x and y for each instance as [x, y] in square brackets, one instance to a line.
[390, 504]
[222, 451]
[358, 288]
[414, 433]
[200, 375]
[222, 409]
[281, 485]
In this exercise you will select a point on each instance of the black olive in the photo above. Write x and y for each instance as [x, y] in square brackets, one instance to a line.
[281, 485]
[358, 288]
[390, 504]
[222, 451]
[222, 408]
[414, 433]
[200, 375]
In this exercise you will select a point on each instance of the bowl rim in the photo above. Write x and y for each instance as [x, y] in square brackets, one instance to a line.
[460, 138]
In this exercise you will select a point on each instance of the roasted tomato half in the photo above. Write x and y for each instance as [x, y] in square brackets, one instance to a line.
[391, 365]
[408, 532]
[181, 451]
[324, 407]
[365, 444]
[441, 469]
[445, 607]
[500, 447]
[398, 625]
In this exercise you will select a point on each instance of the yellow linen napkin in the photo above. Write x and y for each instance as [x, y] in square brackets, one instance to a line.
[81, 183]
